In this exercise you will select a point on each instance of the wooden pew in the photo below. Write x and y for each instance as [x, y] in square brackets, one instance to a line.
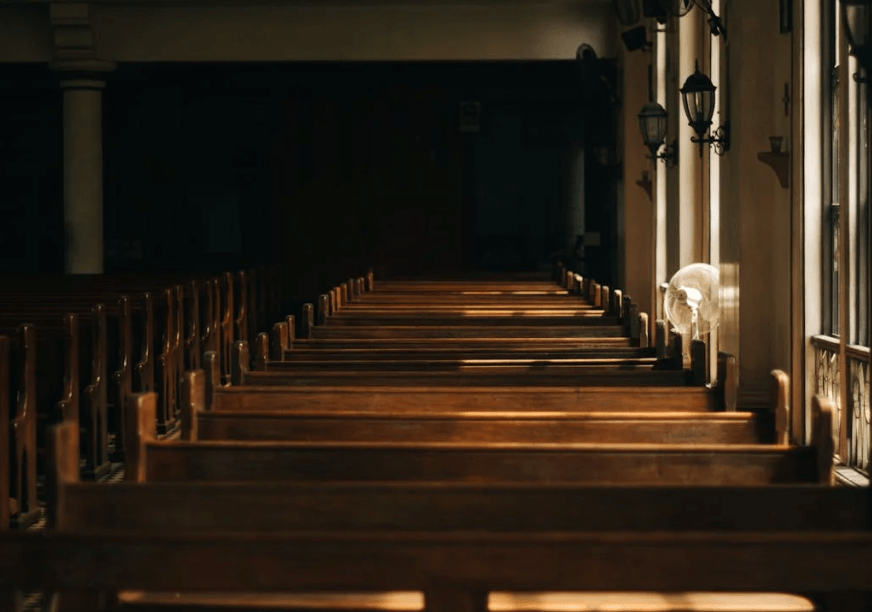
[495, 427]
[464, 344]
[167, 337]
[454, 570]
[369, 393]
[660, 408]
[164, 537]
[171, 461]
[19, 506]
[53, 349]
[456, 331]
[359, 322]
[454, 353]
[582, 463]
[511, 397]
[427, 416]
[457, 373]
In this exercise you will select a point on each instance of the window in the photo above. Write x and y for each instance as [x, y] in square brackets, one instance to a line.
[841, 353]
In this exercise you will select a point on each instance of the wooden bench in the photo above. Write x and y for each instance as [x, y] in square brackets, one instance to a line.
[410, 536]
[592, 372]
[509, 462]
[495, 427]
[454, 570]
[66, 355]
[271, 392]
[512, 397]
[429, 416]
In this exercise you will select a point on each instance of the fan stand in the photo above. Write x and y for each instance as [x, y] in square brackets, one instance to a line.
[694, 322]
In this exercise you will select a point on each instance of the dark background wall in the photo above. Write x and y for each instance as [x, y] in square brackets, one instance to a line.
[322, 167]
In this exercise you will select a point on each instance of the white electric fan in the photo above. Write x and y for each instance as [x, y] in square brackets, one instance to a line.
[691, 301]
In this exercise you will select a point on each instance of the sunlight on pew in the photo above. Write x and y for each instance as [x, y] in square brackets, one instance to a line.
[647, 602]
[387, 601]
[409, 601]
[569, 312]
[551, 361]
[528, 292]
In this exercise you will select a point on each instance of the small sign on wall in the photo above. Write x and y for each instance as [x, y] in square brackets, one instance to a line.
[470, 116]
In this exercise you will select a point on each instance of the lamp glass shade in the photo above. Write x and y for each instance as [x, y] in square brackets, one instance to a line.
[679, 8]
[857, 17]
[698, 98]
[653, 123]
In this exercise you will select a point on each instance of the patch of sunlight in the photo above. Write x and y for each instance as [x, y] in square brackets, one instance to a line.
[647, 602]
[528, 292]
[384, 601]
[587, 312]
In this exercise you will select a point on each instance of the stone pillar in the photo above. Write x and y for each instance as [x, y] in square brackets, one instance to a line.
[83, 166]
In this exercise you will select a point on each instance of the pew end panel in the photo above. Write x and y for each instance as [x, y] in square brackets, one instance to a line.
[62, 468]
[660, 336]
[323, 309]
[291, 322]
[635, 329]
[333, 296]
[278, 341]
[212, 380]
[241, 365]
[781, 405]
[727, 387]
[23, 506]
[121, 380]
[193, 402]
[824, 437]
[141, 419]
[240, 321]
[145, 366]
[94, 402]
[699, 362]
[308, 320]
[644, 342]
[68, 406]
[261, 351]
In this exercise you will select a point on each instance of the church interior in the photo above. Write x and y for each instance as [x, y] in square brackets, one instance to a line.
[443, 305]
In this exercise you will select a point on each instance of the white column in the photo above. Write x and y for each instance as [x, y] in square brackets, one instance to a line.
[690, 188]
[83, 172]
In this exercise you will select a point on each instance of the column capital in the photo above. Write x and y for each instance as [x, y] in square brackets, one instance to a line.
[82, 73]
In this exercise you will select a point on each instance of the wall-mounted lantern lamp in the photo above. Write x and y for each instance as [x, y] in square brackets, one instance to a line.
[680, 8]
[653, 122]
[698, 96]
[857, 17]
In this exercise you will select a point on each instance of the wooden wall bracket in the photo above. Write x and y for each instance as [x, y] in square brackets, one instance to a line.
[780, 163]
